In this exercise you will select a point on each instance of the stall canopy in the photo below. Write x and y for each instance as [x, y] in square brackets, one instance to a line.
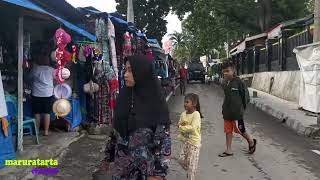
[154, 43]
[142, 36]
[116, 18]
[30, 5]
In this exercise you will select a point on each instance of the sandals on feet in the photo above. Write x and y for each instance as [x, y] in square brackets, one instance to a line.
[252, 149]
[225, 154]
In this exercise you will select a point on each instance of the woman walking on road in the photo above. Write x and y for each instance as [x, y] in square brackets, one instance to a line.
[139, 148]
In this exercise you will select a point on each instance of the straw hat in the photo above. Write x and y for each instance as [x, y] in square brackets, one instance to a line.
[61, 107]
[62, 91]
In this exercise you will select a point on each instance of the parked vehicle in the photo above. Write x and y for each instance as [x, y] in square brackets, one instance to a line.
[196, 72]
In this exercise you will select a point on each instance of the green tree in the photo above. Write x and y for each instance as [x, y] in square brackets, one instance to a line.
[177, 38]
[149, 16]
[185, 48]
[214, 22]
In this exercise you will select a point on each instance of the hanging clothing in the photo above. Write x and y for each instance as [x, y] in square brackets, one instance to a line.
[114, 91]
[127, 49]
[112, 35]
[3, 106]
[103, 104]
[103, 42]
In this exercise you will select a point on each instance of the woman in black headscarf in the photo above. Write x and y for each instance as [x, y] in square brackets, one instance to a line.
[140, 146]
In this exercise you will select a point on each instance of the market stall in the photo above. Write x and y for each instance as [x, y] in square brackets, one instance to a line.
[27, 40]
[117, 39]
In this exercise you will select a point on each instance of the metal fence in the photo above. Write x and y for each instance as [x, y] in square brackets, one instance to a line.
[278, 56]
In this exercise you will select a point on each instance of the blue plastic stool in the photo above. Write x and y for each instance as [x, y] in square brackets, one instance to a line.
[29, 124]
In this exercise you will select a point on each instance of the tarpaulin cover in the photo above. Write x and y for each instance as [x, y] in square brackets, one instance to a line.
[309, 62]
[7, 151]
[30, 5]
[154, 41]
[142, 36]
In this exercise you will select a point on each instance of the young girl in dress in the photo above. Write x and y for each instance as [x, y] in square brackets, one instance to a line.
[190, 134]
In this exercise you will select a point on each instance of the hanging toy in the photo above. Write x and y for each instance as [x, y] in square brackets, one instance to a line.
[63, 38]
[74, 54]
[62, 107]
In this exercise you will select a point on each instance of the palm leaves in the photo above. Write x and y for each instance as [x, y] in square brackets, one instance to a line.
[185, 47]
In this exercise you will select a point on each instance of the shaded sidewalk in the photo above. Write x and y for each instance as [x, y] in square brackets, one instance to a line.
[50, 147]
[287, 112]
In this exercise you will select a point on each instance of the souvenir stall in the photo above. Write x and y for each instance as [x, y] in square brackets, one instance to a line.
[15, 66]
[103, 63]
[159, 59]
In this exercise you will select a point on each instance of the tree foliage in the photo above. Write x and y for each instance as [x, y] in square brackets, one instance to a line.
[214, 22]
[184, 47]
[149, 16]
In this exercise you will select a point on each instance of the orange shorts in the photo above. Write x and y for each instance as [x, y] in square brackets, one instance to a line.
[236, 126]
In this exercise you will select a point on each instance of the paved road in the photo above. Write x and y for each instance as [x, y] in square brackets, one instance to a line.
[281, 154]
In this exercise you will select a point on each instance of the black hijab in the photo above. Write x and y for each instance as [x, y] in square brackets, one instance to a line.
[149, 105]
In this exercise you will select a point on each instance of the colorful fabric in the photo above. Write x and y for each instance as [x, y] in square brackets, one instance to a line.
[141, 47]
[189, 159]
[112, 35]
[146, 153]
[114, 91]
[127, 48]
[103, 41]
[103, 104]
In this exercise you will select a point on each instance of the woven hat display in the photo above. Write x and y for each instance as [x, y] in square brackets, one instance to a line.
[62, 91]
[61, 107]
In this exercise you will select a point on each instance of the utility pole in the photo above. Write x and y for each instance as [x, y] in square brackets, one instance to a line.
[316, 31]
[130, 12]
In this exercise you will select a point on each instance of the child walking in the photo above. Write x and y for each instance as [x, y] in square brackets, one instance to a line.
[233, 108]
[190, 134]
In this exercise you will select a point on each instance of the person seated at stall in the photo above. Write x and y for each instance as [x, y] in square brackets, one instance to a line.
[41, 77]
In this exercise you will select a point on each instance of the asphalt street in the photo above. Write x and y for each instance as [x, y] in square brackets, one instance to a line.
[281, 153]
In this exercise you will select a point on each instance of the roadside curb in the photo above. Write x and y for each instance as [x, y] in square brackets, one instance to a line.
[170, 94]
[287, 119]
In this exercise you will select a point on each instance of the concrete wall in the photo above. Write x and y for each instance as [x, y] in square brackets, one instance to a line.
[286, 84]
